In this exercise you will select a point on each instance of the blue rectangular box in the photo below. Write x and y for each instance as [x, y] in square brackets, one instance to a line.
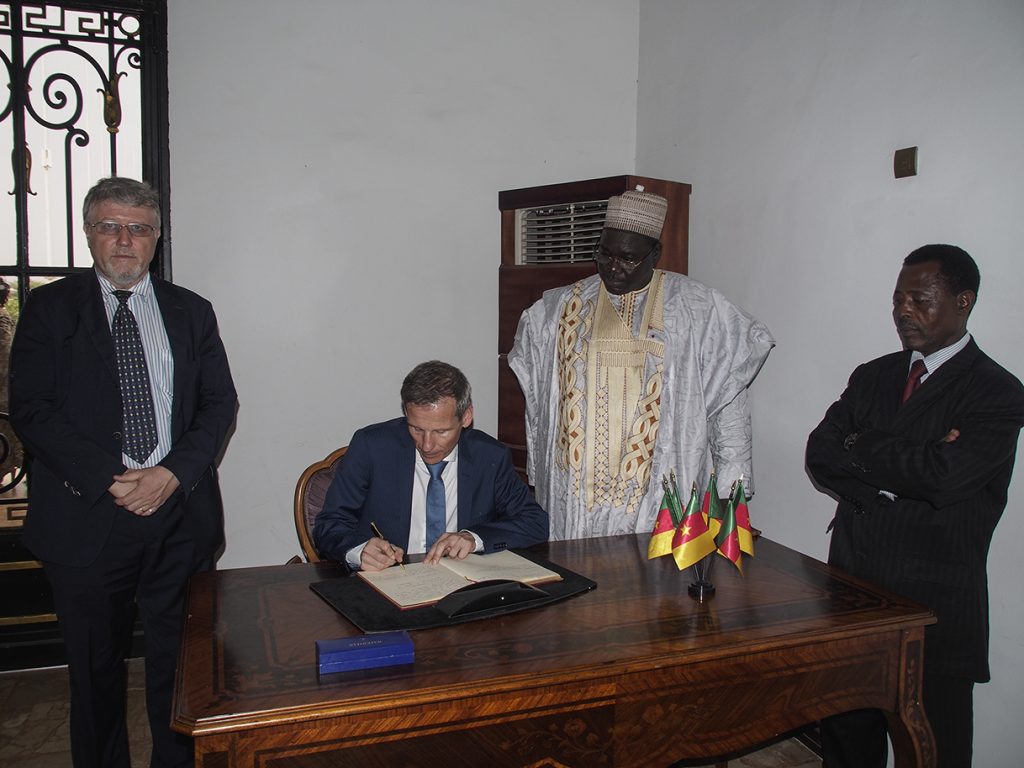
[365, 652]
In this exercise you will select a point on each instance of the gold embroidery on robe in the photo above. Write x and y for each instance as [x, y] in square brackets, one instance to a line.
[623, 410]
[573, 329]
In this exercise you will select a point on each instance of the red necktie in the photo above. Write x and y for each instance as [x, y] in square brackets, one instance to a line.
[917, 370]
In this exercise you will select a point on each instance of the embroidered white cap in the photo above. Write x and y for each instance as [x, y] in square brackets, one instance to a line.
[637, 211]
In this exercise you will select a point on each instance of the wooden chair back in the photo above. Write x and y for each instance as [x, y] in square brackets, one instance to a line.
[309, 499]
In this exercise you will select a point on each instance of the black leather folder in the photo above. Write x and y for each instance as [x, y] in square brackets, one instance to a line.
[370, 611]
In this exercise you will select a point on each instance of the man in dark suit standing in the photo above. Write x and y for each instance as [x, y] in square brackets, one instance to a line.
[428, 481]
[121, 393]
[919, 450]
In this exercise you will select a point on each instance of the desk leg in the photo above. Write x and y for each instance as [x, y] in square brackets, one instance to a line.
[218, 751]
[912, 739]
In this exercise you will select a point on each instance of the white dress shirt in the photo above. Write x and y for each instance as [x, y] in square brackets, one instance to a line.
[418, 516]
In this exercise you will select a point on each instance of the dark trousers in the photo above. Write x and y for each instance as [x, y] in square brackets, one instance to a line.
[858, 739]
[146, 562]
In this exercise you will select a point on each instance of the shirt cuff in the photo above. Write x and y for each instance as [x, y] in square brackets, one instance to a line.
[354, 557]
[477, 539]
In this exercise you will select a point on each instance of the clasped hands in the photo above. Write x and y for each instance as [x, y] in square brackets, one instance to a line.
[379, 554]
[143, 491]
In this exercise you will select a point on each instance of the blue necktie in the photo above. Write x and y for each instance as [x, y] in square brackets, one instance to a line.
[139, 438]
[436, 517]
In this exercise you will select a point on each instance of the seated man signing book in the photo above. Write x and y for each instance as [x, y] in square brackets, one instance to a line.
[427, 482]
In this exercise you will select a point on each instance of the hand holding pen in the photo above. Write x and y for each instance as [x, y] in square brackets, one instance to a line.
[379, 553]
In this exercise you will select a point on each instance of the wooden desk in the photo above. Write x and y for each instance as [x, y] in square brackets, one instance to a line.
[634, 673]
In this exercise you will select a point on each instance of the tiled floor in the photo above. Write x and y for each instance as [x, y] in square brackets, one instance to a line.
[34, 718]
[34, 724]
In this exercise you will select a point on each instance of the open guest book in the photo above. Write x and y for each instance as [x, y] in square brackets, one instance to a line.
[425, 596]
[419, 584]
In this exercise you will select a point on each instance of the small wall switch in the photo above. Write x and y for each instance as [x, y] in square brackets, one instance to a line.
[904, 162]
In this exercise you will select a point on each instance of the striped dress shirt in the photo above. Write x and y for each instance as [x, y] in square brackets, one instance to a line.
[159, 360]
[935, 359]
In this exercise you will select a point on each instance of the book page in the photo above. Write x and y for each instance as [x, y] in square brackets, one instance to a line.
[501, 565]
[415, 585]
[421, 584]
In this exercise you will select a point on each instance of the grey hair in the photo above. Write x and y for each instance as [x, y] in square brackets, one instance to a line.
[118, 189]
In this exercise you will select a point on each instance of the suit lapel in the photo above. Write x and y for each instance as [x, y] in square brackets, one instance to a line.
[94, 317]
[176, 324]
[405, 467]
[890, 387]
[466, 475]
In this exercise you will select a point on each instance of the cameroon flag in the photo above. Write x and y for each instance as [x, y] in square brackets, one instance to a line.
[727, 540]
[673, 500]
[712, 506]
[743, 528]
[664, 530]
[693, 541]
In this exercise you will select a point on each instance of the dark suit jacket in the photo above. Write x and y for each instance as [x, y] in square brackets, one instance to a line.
[375, 480]
[66, 408]
[931, 544]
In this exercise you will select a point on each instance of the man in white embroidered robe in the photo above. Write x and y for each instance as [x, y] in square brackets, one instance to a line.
[629, 375]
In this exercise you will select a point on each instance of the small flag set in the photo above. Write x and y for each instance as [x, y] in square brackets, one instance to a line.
[703, 528]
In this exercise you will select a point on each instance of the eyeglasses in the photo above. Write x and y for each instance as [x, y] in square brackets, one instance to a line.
[113, 229]
[602, 256]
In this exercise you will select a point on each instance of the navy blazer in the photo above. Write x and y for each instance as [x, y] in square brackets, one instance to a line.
[931, 543]
[66, 408]
[374, 483]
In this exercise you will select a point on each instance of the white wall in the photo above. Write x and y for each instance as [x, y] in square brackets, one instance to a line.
[335, 168]
[784, 117]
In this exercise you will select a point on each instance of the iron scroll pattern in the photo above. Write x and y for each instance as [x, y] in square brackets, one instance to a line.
[66, 70]
[12, 456]
[85, 96]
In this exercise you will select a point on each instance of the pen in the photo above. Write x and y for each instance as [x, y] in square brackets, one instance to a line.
[379, 535]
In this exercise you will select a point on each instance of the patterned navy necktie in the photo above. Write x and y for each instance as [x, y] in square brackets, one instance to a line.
[138, 439]
[436, 513]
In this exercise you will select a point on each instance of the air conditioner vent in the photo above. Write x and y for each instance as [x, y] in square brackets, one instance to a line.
[559, 234]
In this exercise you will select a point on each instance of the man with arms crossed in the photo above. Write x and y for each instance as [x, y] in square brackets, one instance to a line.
[919, 450]
[428, 481]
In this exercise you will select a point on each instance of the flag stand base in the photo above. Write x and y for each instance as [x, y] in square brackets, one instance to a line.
[701, 590]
